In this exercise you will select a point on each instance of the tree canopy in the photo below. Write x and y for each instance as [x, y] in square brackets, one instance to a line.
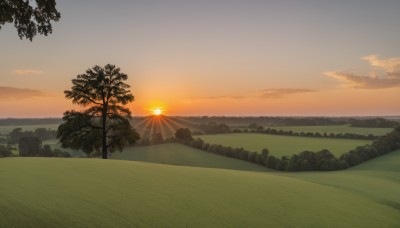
[105, 123]
[29, 17]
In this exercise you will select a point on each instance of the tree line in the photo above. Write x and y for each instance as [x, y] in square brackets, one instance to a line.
[32, 147]
[41, 133]
[373, 123]
[271, 131]
[322, 160]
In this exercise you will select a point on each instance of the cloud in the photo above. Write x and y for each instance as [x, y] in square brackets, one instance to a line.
[389, 65]
[26, 72]
[389, 79]
[12, 93]
[281, 93]
[261, 94]
[221, 97]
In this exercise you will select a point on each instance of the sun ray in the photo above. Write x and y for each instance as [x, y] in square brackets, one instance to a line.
[169, 127]
[179, 125]
[161, 126]
[187, 123]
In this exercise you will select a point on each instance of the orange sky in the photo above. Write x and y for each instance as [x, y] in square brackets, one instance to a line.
[243, 58]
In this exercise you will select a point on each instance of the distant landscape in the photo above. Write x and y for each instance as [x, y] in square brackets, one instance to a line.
[170, 168]
[176, 113]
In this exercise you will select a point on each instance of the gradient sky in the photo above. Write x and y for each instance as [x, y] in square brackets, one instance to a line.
[214, 57]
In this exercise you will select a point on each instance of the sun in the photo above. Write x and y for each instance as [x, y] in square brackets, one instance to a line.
[157, 111]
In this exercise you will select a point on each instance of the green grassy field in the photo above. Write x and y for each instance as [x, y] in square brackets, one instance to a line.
[177, 154]
[8, 129]
[283, 145]
[51, 192]
[337, 129]
[377, 179]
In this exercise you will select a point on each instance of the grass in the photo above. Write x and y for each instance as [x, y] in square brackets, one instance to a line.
[54, 192]
[177, 154]
[283, 145]
[377, 179]
[7, 129]
[337, 129]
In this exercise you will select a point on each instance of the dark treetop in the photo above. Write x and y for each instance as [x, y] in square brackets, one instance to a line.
[29, 17]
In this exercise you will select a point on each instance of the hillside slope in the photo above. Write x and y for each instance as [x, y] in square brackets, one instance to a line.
[43, 192]
[178, 154]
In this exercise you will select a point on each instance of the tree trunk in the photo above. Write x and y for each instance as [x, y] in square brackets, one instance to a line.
[104, 135]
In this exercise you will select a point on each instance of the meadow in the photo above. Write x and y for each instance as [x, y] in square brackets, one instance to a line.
[178, 154]
[43, 192]
[283, 145]
[336, 129]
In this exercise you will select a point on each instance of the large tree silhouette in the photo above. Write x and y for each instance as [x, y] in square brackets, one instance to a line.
[29, 17]
[105, 123]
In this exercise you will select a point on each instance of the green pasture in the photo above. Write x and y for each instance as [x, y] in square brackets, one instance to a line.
[7, 129]
[377, 179]
[337, 129]
[77, 192]
[178, 154]
[283, 145]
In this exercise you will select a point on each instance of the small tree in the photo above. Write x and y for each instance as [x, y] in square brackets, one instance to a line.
[104, 126]
[184, 134]
[29, 146]
[5, 151]
[29, 17]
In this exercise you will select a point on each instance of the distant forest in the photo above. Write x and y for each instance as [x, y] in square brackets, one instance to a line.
[378, 122]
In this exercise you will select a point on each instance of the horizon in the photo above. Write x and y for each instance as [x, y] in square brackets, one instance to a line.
[214, 58]
[212, 116]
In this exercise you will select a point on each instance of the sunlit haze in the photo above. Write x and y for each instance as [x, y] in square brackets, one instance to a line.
[157, 111]
[220, 57]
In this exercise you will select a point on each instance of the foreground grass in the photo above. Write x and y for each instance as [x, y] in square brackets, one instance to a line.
[51, 192]
[284, 145]
[177, 154]
[377, 179]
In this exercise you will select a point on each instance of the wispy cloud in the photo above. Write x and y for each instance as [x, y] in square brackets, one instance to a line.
[27, 72]
[389, 79]
[261, 94]
[281, 93]
[12, 93]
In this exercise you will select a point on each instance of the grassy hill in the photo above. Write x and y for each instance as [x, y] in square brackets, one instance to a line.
[284, 145]
[51, 192]
[178, 154]
[377, 179]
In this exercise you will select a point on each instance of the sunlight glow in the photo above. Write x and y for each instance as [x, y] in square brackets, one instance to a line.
[157, 111]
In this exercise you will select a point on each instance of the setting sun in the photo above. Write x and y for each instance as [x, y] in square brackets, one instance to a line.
[157, 111]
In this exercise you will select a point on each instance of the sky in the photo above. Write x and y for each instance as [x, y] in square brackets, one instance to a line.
[214, 57]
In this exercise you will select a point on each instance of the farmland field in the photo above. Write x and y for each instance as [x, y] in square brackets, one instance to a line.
[177, 154]
[283, 145]
[336, 129]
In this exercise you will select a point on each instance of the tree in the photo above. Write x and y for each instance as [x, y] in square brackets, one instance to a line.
[46, 151]
[183, 134]
[5, 151]
[105, 124]
[29, 17]
[29, 146]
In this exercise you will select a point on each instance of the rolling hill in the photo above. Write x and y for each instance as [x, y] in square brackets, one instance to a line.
[43, 192]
